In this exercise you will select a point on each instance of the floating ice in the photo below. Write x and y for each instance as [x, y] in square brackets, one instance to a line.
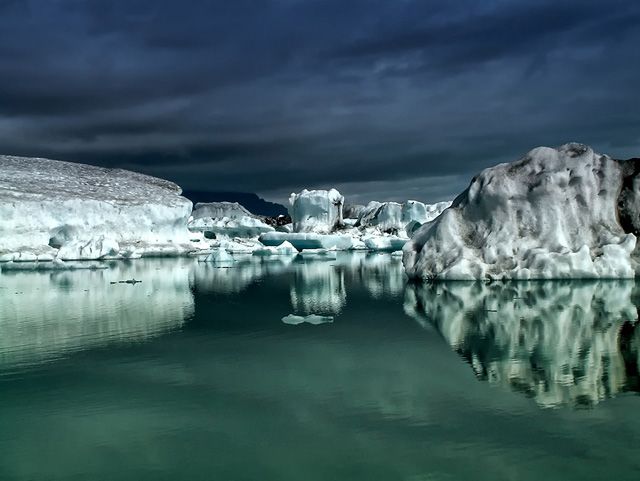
[227, 218]
[556, 213]
[395, 217]
[308, 240]
[310, 319]
[384, 243]
[52, 209]
[284, 249]
[318, 211]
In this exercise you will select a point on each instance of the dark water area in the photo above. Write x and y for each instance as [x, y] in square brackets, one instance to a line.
[192, 374]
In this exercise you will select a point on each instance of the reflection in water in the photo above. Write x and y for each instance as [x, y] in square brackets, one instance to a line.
[235, 278]
[560, 342]
[45, 314]
[381, 274]
[238, 392]
[317, 288]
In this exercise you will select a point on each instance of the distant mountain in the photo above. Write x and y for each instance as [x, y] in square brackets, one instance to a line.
[250, 201]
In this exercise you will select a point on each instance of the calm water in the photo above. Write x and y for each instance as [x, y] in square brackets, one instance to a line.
[192, 375]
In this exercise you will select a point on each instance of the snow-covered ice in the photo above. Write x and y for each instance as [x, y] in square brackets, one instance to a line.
[318, 211]
[556, 213]
[227, 218]
[52, 209]
[384, 243]
[395, 217]
[284, 249]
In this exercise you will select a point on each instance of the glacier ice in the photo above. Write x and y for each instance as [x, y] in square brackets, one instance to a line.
[53, 209]
[556, 213]
[319, 222]
[394, 217]
[318, 211]
[227, 218]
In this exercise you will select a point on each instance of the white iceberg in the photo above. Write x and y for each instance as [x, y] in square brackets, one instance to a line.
[318, 211]
[393, 217]
[228, 219]
[284, 249]
[52, 209]
[384, 243]
[553, 214]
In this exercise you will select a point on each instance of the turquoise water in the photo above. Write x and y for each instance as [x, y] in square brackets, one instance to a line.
[191, 374]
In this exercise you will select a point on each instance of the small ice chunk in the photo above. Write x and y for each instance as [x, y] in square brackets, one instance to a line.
[313, 319]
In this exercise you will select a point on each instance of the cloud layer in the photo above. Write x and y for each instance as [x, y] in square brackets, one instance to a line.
[385, 99]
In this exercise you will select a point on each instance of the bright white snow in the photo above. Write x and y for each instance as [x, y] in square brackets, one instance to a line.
[552, 214]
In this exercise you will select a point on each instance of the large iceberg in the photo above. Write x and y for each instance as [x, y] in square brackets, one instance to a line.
[556, 213]
[318, 211]
[52, 209]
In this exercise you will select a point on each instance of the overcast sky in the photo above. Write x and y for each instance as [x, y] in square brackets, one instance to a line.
[384, 99]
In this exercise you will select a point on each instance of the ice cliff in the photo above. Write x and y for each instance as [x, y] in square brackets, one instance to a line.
[556, 213]
[60, 210]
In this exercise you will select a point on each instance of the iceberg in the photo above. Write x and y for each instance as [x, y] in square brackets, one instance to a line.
[556, 213]
[284, 249]
[226, 218]
[53, 209]
[384, 243]
[318, 211]
[393, 217]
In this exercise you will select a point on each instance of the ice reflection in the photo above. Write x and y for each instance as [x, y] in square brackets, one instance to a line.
[381, 274]
[318, 288]
[573, 343]
[47, 314]
[236, 277]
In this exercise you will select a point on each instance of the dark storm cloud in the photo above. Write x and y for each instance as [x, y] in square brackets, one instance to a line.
[385, 99]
